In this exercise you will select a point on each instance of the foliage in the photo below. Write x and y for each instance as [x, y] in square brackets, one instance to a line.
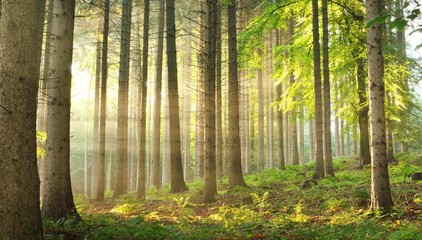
[273, 207]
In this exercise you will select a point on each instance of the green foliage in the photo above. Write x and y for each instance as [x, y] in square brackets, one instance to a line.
[41, 138]
[273, 207]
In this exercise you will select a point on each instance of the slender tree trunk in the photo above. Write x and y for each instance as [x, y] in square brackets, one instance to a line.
[122, 115]
[86, 131]
[199, 148]
[210, 184]
[281, 161]
[328, 153]
[21, 28]
[380, 183]
[311, 139]
[261, 160]
[177, 181]
[95, 149]
[155, 158]
[142, 171]
[58, 199]
[235, 176]
[301, 137]
[188, 75]
[42, 102]
[99, 170]
[319, 166]
[337, 135]
[219, 132]
[364, 154]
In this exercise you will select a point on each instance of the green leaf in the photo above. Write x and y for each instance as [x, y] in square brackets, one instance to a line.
[398, 23]
[379, 19]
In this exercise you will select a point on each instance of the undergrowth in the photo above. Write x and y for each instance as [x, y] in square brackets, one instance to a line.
[273, 206]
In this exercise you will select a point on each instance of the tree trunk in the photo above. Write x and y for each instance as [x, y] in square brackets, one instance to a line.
[42, 101]
[219, 132]
[235, 176]
[281, 161]
[199, 148]
[364, 154]
[328, 153]
[319, 166]
[187, 93]
[95, 149]
[337, 135]
[311, 139]
[122, 115]
[21, 28]
[177, 181]
[155, 158]
[210, 184]
[261, 160]
[99, 170]
[380, 183]
[142, 173]
[58, 199]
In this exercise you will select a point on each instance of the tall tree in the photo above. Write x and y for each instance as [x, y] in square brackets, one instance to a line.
[293, 113]
[42, 105]
[122, 110]
[155, 157]
[319, 166]
[142, 173]
[219, 99]
[328, 153]
[210, 177]
[21, 28]
[97, 88]
[235, 176]
[380, 183]
[177, 182]
[261, 144]
[199, 141]
[58, 199]
[98, 168]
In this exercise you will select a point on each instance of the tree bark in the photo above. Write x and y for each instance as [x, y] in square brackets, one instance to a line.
[219, 99]
[177, 181]
[99, 170]
[380, 183]
[20, 28]
[58, 199]
[261, 146]
[328, 153]
[122, 115]
[319, 166]
[235, 176]
[142, 173]
[155, 158]
[364, 154]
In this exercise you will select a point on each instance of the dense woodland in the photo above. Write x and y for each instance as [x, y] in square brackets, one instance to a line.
[235, 119]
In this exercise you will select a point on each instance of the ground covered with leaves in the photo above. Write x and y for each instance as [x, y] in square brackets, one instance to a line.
[274, 206]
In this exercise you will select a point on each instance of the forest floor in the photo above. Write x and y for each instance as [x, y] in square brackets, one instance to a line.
[274, 206]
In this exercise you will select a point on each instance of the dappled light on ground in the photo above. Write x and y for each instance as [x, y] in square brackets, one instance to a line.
[273, 207]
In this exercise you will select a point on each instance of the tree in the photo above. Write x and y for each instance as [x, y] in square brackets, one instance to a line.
[210, 177]
[98, 167]
[235, 176]
[155, 158]
[261, 145]
[328, 154]
[58, 199]
[21, 28]
[177, 182]
[319, 166]
[122, 115]
[143, 120]
[380, 183]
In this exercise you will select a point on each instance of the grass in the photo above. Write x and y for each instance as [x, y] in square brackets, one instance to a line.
[273, 207]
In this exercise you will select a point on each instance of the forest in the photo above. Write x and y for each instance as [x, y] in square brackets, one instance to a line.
[210, 119]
